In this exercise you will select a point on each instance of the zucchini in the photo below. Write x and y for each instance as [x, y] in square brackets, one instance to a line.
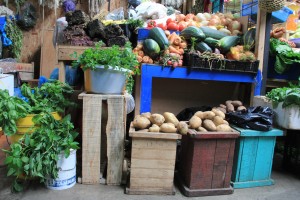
[151, 48]
[202, 47]
[209, 32]
[227, 42]
[211, 42]
[248, 39]
[160, 37]
[192, 31]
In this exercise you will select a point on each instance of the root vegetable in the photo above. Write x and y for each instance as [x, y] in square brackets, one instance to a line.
[141, 53]
[225, 122]
[218, 113]
[141, 123]
[201, 129]
[208, 115]
[222, 106]
[168, 128]
[182, 128]
[199, 114]
[218, 120]
[146, 114]
[195, 122]
[154, 128]
[236, 103]
[241, 108]
[170, 118]
[140, 59]
[209, 125]
[157, 119]
[229, 107]
[224, 128]
[146, 59]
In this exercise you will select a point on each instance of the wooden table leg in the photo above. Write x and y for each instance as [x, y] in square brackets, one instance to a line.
[62, 71]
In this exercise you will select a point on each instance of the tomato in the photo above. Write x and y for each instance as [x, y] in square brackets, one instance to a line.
[175, 64]
[173, 26]
[169, 20]
[169, 62]
[162, 26]
[182, 25]
[151, 24]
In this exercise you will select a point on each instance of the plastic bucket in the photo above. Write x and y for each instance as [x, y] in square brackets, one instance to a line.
[104, 81]
[26, 125]
[66, 175]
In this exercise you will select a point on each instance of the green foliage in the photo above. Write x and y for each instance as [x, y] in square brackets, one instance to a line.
[134, 24]
[36, 155]
[288, 95]
[15, 34]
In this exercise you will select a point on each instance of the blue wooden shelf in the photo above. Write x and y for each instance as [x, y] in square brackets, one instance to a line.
[148, 72]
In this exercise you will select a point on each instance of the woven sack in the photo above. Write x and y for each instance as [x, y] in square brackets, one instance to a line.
[271, 5]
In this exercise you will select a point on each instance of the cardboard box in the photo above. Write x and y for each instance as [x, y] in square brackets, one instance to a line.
[7, 83]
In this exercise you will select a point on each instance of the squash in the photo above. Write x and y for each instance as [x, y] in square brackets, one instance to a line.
[160, 37]
[227, 42]
[151, 48]
[211, 42]
[192, 31]
[248, 39]
[209, 32]
[202, 47]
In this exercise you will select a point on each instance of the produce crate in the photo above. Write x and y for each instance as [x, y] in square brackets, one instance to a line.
[152, 162]
[95, 151]
[205, 163]
[253, 158]
[288, 117]
[291, 155]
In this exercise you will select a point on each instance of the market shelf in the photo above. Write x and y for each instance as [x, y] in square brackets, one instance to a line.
[149, 71]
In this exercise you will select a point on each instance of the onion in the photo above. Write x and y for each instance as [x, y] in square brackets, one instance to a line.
[201, 17]
[228, 15]
[180, 17]
[235, 25]
[225, 30]
[214, 22]
[207, 15]
[204, 23]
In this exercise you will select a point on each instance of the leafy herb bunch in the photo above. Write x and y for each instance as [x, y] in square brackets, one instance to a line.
[50, 97]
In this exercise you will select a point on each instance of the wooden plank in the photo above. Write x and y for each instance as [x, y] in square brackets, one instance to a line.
[165, 184]
[20, 67]
[186, 158]
[25, 76]
[91, 136]
[115, 141]
[149, 191]
[167, 136]
[212, 135]
[48, 54]
[153, 144]
[64, 52]
[220, 163]
[152, 173]
[158, 154]
[264, 158]
[229, 165]
[153, 164]
[237, 167]
[62, 72]
[103, 96]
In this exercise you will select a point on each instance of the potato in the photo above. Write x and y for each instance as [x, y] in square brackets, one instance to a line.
[225, 122]
[141, 123]
[236, 103]
[222, 109]
[170, 118]
[209, 125]
[228, 101]
[222, 106]
[224, 128]
[195, 122]
[229, 107]
[168, 128]
[146, 114]
[241, 108]
[201, 129]
[217, 120]
[157, 119]
[218, 113]
[199, 114]
[208, 115]
[154, 128]
[182, 128]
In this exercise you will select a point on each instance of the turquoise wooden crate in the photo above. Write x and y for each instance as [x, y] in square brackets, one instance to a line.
[253, 158]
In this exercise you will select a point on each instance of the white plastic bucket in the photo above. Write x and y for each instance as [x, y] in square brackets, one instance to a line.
[67, 173]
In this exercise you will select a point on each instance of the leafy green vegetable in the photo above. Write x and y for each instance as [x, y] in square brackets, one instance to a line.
[284, 54]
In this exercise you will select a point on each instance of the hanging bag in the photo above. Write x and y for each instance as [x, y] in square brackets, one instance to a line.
[271, 5]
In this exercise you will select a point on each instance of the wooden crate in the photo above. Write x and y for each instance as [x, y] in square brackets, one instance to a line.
[253, 158]
[92, 156]
[152, 162]
[206, 163]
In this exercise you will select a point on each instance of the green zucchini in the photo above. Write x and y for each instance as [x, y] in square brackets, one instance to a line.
[192, 31]
[227, 42]
[160, 37]
[202, 47]
[209, 32]
[248, 39]
[151, 48]
[211, 42]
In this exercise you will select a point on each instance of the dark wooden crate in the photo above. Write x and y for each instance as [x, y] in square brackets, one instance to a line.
[206, 163]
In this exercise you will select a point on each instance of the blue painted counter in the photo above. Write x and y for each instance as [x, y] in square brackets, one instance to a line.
[253, 158]
[148, 72]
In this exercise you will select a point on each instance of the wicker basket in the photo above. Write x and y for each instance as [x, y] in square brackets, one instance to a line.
[271, 5]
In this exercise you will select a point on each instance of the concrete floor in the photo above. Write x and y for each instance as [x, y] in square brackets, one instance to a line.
[286, 187]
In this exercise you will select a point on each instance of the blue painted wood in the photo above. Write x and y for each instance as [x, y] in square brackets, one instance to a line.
[148, 72]
[253, 159]
[249, 184]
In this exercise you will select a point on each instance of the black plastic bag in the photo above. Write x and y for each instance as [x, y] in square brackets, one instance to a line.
[187, 113]
[28, 16]
[256, 118]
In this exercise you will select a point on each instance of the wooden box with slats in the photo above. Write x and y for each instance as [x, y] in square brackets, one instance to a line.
[153, 158]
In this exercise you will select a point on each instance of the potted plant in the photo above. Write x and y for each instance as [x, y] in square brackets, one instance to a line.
[106, 69]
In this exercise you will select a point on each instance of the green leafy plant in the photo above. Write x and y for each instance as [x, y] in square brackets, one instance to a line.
[15, 34]
[36, 155]
[287, 95]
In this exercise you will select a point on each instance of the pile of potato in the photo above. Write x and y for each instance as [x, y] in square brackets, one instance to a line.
[213, 120]
[166, 123]
[231, 106]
